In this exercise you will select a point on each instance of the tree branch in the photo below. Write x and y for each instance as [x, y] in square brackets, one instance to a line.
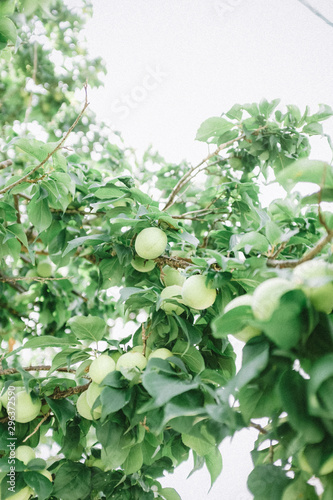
[187, 177]
[308, 256]
[5, 164]
[69, 392]
[59, 145]
[37, 368]
[46, 416]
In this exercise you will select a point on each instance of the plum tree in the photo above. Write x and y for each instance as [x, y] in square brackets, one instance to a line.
[267, 296]
[197, 294]
[248, 331]
[151, 243]
[101, 367]
[316, 279]
[172, 292]
[96, 210]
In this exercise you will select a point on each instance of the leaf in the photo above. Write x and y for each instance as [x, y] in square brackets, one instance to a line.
[8, 30]
[267, 482]
[203, 444]
[163, 387]
[92, 238]
[49, 341]
[37, 149]
[253, 240]
[190, 355]
[232, 321]
[134, 460]
[17, 229]
[320, 402]
[63, 409]
[39, 483]
[313, 129]
[169, 494]
[108, 192]
[304, 170]
[214, 464]
[7, 7]
[212, 128]
[39, 213]
[88, 327]
[255, 360]
[113, 400]
[72, 482]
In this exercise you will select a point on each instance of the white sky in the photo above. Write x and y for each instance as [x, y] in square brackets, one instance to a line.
[208, 55]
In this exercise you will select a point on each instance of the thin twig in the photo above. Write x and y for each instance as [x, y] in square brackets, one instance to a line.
[12, 284]
[316, 12]
[69, 392]
[187, 177]
[5, 164]
[46, 416]
[258, 427]
[25, 177]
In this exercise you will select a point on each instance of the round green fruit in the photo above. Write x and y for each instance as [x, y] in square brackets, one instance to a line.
[171, 292]
[94, 390]
[131, 360]
[150, 243]
[25, 454]
[266, 297]
[85, 410]
[23, 494]
[197, 294]
[161, 353]
[44, 269]
[142, 265]
[101, 367]
[171, 276]
[139, 348]
[32, 273]
[310, 276]
[248, 331]
[25, 408]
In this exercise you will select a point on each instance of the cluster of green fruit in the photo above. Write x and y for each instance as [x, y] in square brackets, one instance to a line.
[25, 454]
[103, 365]
[192, 292]
[314, 277]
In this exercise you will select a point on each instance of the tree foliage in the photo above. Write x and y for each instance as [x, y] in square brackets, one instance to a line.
[75, 285]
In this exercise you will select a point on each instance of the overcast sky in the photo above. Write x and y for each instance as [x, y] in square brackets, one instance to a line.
[172, 64]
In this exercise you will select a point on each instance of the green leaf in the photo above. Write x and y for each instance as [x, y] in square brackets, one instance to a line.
[72, 482]
[34, 148]
[267, 482]
[190, 355]
[169, 494]
[321, 377]
[39, 483]
[299, 490]
[108, 192]
[17, 229]
[313, 129]
[203, 444]
[304, 170]
[161, 386]
[92, 238]
[134, 460]
[8, 30]
[49, 342]
[255, 360]
[214, 464]
[39, 213]
[252, 240]
[7, 7]
[63, 409]
[90, 328]
[213, 128]
[113, 400]
[232, 321]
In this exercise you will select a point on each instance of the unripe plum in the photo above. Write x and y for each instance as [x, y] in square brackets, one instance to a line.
[171, 292]
[197, 294]
[131, 360]
[85, 410]
[25, 454]
[23, 494]
[248, 331]
[161, 353]
[150, 243]
[139, 348]
[266, 297]
[101, 367]
[94, 390]
[309, 276]
[172, 276]
[44, 269]
[25, 408]
[143, 265]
